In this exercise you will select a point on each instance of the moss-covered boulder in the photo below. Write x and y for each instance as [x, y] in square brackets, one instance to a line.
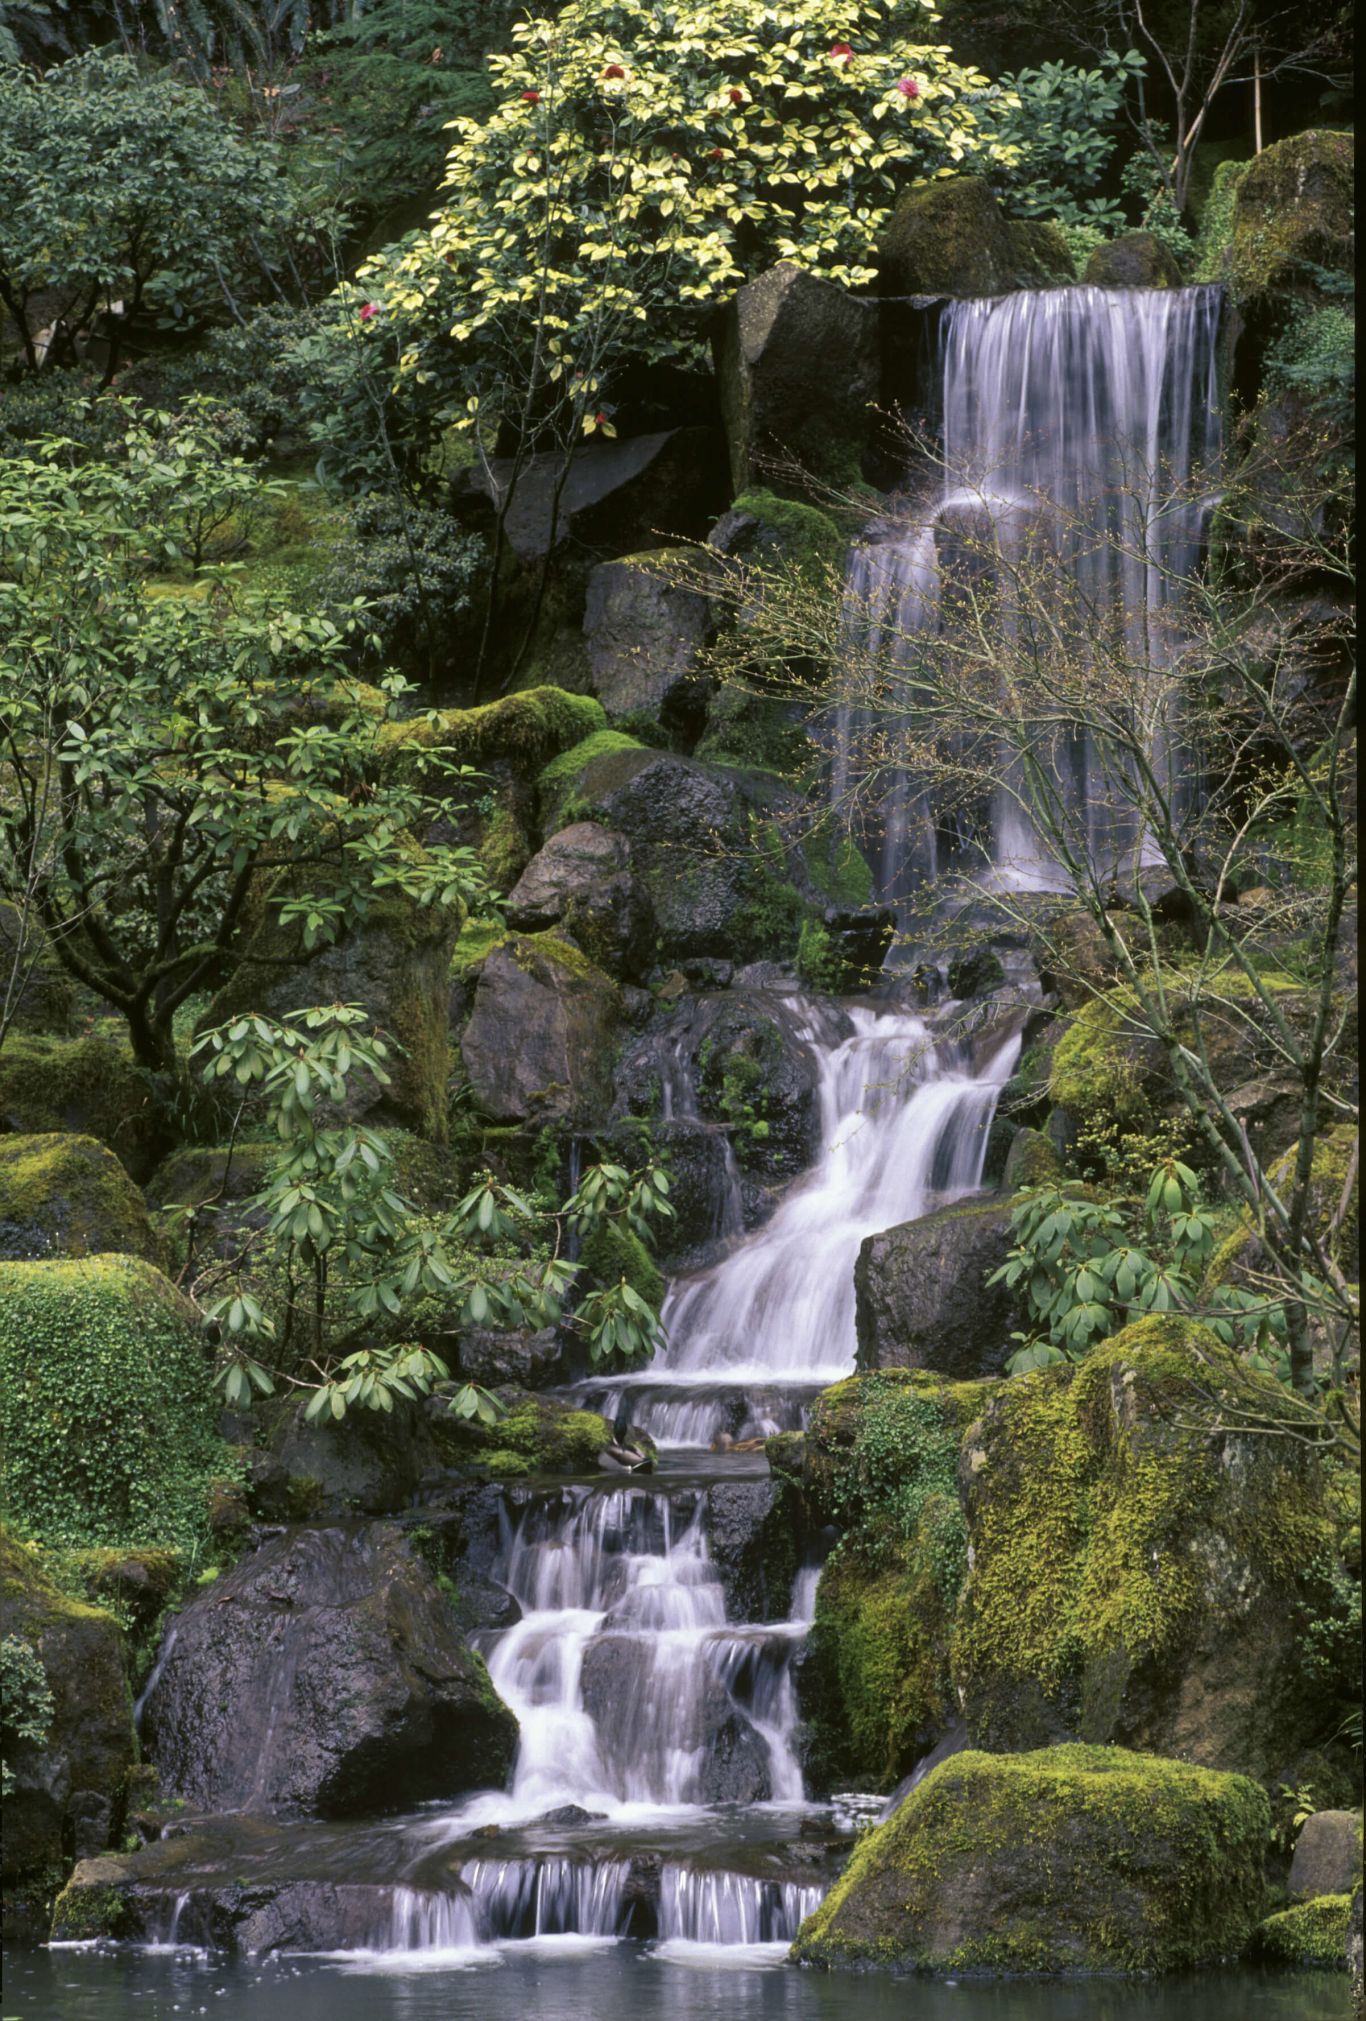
[798, 360]
[1133, 260]
[1327, 1857]
[68, 1196]
[947, 237]
[1139, 1565]
[1311, 1935]
[540, 1038]
[1040, 254]
[525, 730]
[65, 1676]
[583, 882]
[107, 1414]
[535, 1435]
[90, 1087]
[1077, 1859]
[880, 1459]
[1292, 212]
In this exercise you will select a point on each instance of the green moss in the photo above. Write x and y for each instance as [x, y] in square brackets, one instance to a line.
[82, 1914]
[478, 938]
[841, 873]
[526, 729]
[556, 781]
[1094, 1072]
[536, 1435]
[801, 535]
[1312, 1934]
[1100, 1530]
[504, 850]
[70, 1195]
[89, 1085]
[1072, 1858]
[613, 1252]
[1216, 224]
[1292, 211]
[106, 1410]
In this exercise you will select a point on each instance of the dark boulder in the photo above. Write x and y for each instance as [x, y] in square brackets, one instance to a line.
[619, 496]
[646, 634]
[324, 1674]
[582, 882]
[922, 1300]
[947, 237]
[69, 1196]
[753, 1541]
[1133, 260]
[798, 361]
[1327, 1858]
[538, 1045]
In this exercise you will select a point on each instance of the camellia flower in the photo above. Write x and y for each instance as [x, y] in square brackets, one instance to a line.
[614, 70]
[908, 87]
[717, 154]
[737, 97]
[843, 51]
[531, 98]
[367, 310]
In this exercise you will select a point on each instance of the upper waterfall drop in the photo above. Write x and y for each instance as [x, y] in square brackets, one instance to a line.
[1084, 420]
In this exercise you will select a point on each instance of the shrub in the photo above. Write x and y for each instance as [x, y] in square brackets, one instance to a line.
[416, 569]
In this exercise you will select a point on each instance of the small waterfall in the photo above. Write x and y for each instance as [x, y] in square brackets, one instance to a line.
[710, 1908]
[422, 1920]
[515, 1899]
[1080, 425]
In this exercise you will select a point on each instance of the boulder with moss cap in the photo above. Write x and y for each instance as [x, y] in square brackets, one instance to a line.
[538, 1045]
[1073, 1859]
[69, 1196]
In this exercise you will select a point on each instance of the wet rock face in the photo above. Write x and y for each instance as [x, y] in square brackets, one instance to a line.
[625, 1691]
[582, 881]
[539, 1042]
[645, 638]
[922, 1296]
[1327, 1857]
[324, 1675]
[752, 1538]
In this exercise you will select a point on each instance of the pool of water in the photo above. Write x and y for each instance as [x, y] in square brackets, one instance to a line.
[579, 1979]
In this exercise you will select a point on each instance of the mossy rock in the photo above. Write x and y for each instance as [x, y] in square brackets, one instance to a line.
[1101, 1072]
[612, 1252]
[1337, 1222]
[1072, 1859]
[790, 531]
[526, 729]
[106, 1409]
[1312, 1935]
[1138, 1569]
[1133, 260]
[69, 1196]
[1292, 212]
[90, 1087]
[90, 1746]
[947, 237]
[88, 1910]
[556, 782]
[536, 1435]
[1040, 254]
[539, 1042]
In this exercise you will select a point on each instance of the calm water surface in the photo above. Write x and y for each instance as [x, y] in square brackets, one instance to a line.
[574, 1979]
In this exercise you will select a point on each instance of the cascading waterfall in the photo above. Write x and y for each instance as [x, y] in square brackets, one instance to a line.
[706, 1908]
[1084, 421]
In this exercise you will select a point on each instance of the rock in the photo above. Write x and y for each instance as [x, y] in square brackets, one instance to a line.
[538, 1046]
[1040, 253]
[622, 1688]
[1075, 1859]
[324, 1675]
[764, 1085]
[976, 973]
[367, 1463]
[536, 1435]
[752, 1539]
[645, 636]
[922, 1300]
[69, 1196]
[1327, 1857]
[90, 1087]
[395, 963]
[1137, 1568]
[582, 882]
[1292, 212]
[619, 496]
[948, 237]
[1314, 1935]
[1133, 260]
[526, 1359]
[1031, 1161]
[799, 364]
[212, 1186]
[67, 1788]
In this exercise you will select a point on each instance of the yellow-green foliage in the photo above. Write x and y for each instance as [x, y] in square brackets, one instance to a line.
[1312, 1934]
[69, 1196]
[526, 730]
[1072, 1858]
[1099, 1520]
[92, 1085]
[1216, 225]
[536, 1436]
[1094, 1072]
[478, 938]
[106, 1410]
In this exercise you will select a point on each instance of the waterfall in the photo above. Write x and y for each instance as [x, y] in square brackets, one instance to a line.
[1078, 423]
[723, 1908]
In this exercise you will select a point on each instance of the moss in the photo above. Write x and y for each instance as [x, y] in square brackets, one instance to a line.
[1338, 1227]
[70, 1195]
[91, 1085]
[504, 850]
[1094, 1072]
[755, 733]
[82, 1914]
[1216, 223]
[1073, 1858]
[841, 873]
[1312, 1934]
[1292, 211]
[1041, 254]
[106, 1408]
[526, 729]
[555, 782]
[1104, 1539]
[801, 535]
[536, 1435]
[613, 1252]
[478, 938]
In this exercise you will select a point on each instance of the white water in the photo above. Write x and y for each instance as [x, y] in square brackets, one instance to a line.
[1080, 427]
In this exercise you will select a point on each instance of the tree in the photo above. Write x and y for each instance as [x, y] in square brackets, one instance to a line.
[124, 192]
[641, 160]
[166, 749]
[1206, 844]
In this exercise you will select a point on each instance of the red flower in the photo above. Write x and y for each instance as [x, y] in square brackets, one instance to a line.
[843, 51]
[737, 97]
[367, 310]
[599, 418]
[531, 98]
[908, 88]
[614, 70]
[717, 154]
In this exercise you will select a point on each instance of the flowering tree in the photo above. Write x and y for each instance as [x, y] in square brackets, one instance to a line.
[644, 158]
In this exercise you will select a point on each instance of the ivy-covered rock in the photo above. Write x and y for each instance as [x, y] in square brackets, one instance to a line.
[65, 1678]
[922, 1296]
[799, 362]
[1312, 1935]
[90, 1087]
[538, 1045]
[1140, 1564]
[106, 1411]
[582, 882]
[324, 1675]
[535, 1435]
[1133, 260]
[1074, 1859]
[646, 634]
[68, 1196]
